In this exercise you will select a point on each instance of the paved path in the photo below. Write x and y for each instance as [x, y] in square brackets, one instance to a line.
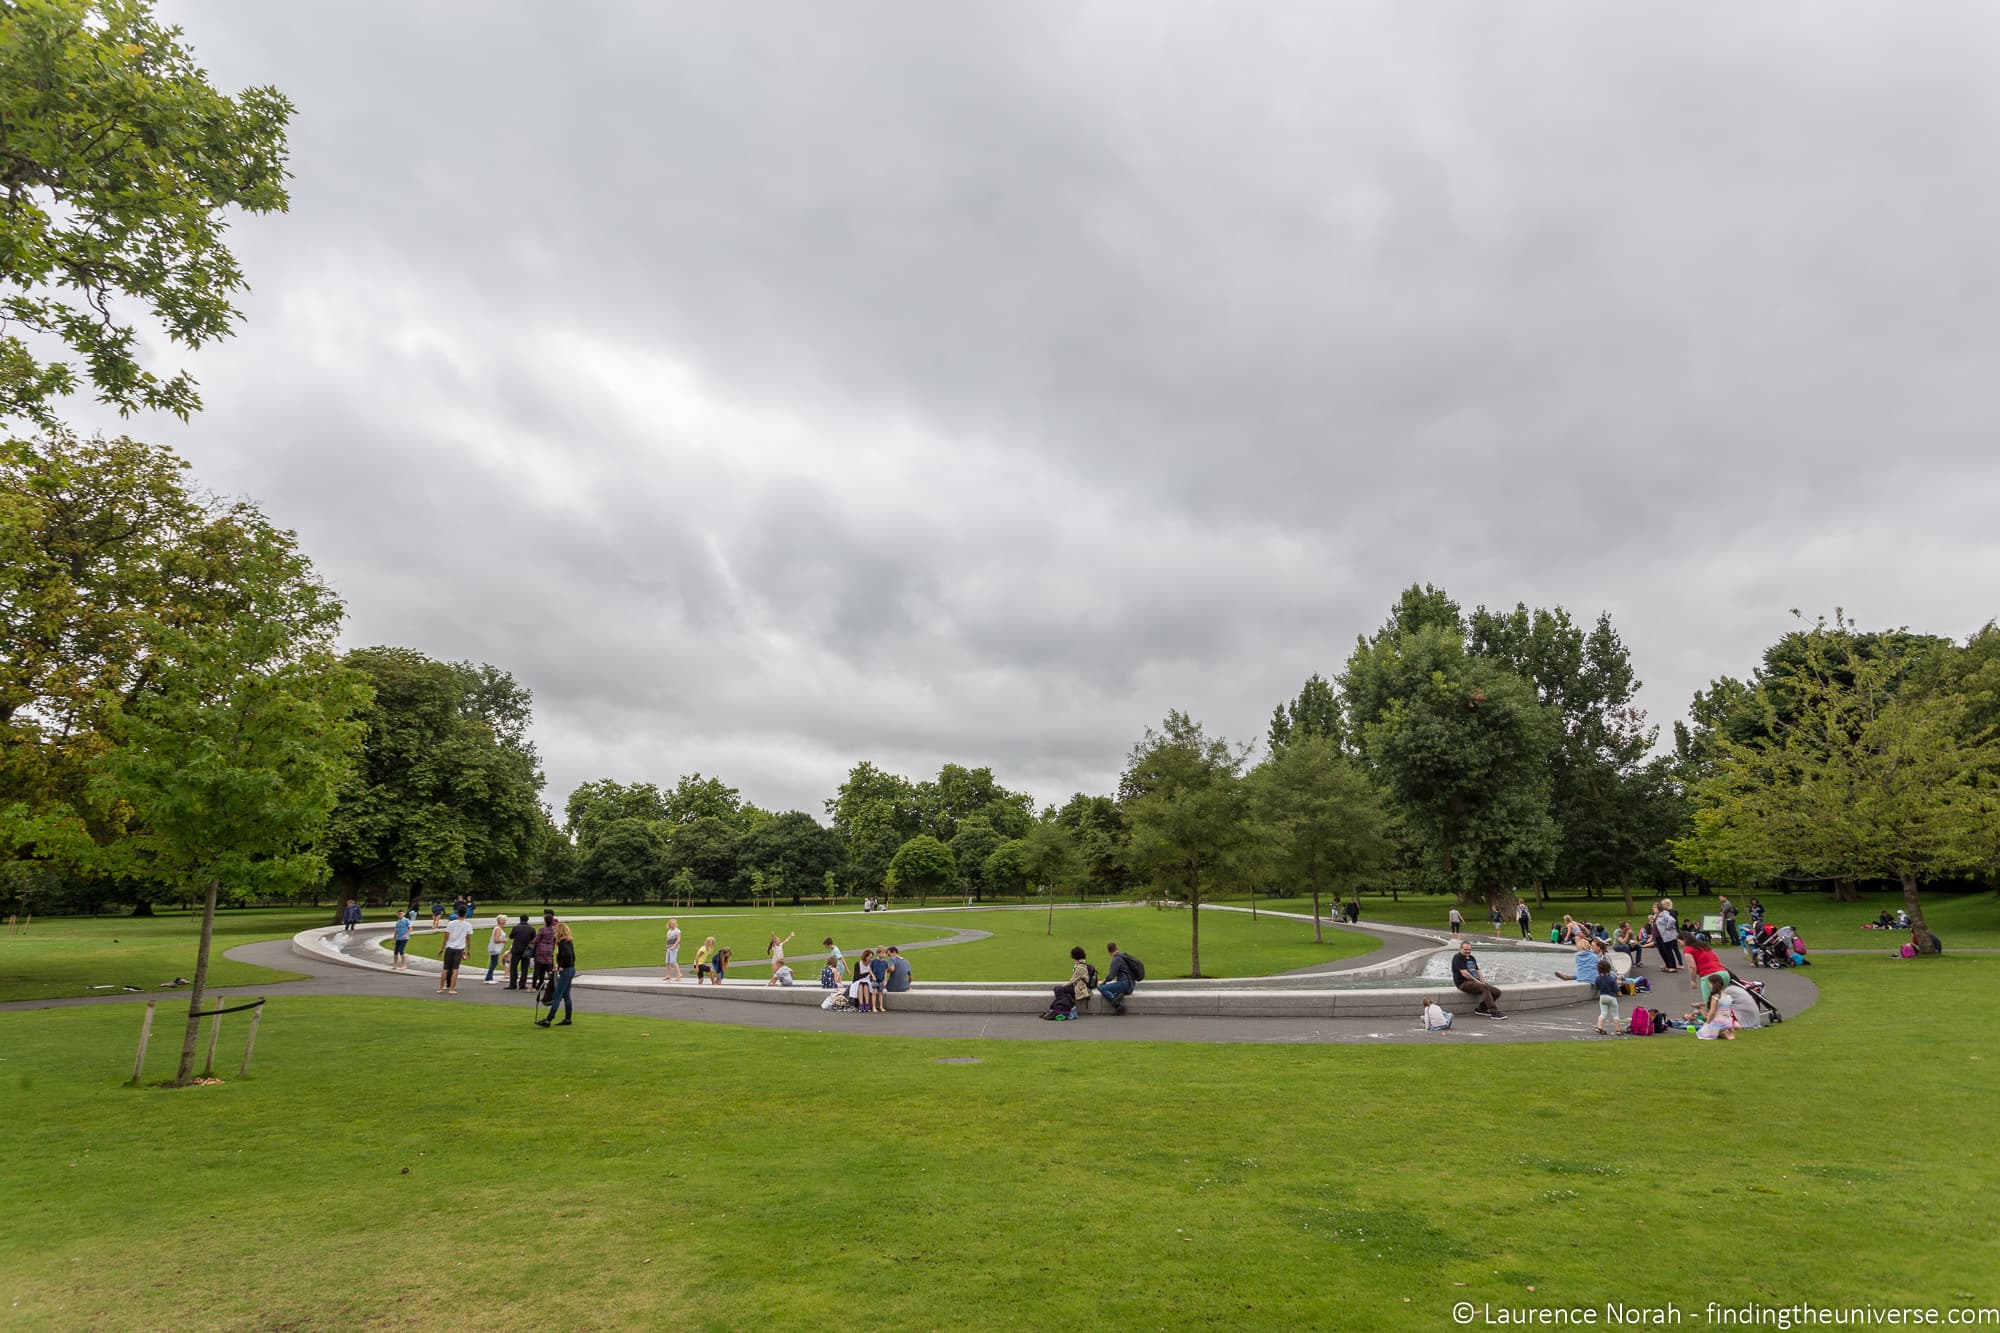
[1790, 991]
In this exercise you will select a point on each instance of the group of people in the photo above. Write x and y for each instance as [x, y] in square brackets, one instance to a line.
[541, 959]
[1122, 976]
[865, 988]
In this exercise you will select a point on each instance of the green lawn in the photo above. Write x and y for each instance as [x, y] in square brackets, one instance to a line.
[1021, 947]
[1961, 920]
[73, 955]
[394, 1164]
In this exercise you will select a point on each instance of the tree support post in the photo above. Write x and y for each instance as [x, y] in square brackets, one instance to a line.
[250, 1043]
[145, 1035]
[214, 1033]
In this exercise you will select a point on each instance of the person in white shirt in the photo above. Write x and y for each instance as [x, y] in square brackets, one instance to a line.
[781, 977]
[457, 935]
[1436, 1018]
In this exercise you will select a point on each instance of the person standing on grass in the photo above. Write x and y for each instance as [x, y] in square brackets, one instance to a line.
[565, 961]
[1493, 915]
[1465, 976]
[673, 949]
[1456, 922]
[405, 923]
[1522, 918]
[496, 943]
[545, 950]
[457, 937]
[520, 954]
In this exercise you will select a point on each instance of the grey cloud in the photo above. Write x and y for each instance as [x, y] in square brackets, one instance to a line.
[771, 387]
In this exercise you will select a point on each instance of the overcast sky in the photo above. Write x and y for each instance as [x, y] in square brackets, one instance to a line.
[773, 386]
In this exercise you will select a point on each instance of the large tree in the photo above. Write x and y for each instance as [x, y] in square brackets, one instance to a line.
[1461, 745]
[924, 864]
[975, 841]
[1183, 792]
[873, 814]
[1861, 767]
[627, 862]
[441, 798]
[105, 548]
[225, 767]
[1315, 712]
[1322, 824]
[118, 164]
[793, 852]
[593, 806]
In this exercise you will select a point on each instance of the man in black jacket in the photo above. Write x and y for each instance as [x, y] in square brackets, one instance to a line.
[1118, 983]
[521, 943]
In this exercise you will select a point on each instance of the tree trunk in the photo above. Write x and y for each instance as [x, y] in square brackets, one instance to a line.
[1627, 887]
[1319, 936]
[1541, 896]
[142, 908]
[1845, 892]
[193, 1034]
[1920, 934]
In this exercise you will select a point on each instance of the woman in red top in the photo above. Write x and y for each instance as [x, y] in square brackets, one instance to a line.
[1706, 971]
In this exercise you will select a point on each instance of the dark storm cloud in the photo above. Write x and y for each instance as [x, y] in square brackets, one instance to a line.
[775, 386]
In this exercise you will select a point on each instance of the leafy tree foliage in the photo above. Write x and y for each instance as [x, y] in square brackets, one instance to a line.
[119, 163]
[1462, 747]
[924, 864]
[975, 841]
[1316, 712]
[873, 814]
[961, 793]
[106, 551]
[793, 851]
[1184, 795]
[440, 798]
[706, 848]
[627, 861]
[223, 770]
[1102, 840]
[1859, 767]
[595, 805]
[1323, 826]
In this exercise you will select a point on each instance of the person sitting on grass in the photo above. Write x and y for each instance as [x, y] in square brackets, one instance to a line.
[1465, 976]
[1436, 1017]
[1718, 1019]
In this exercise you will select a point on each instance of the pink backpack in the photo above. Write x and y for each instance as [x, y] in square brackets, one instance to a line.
[1908, 951]
[1641, 1024]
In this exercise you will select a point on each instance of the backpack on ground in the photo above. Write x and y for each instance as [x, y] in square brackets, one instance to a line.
[1138, 968]
[1641, 1024]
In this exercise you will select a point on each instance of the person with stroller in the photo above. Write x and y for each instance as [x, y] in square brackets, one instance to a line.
[1705, 970]
[1465, 976]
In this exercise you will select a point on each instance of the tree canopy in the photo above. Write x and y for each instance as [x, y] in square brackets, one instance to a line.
[121, 161]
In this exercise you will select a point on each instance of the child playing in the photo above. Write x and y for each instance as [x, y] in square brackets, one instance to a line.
[781, 977]
[1607, 999]
[701, 959]
[1721, 1020]
[1436, 1018]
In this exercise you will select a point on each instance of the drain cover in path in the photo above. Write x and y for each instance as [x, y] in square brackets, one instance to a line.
[957, 1060]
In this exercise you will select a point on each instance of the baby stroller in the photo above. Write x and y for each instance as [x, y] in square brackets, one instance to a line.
[1767, 1012]
[1768, 945]
[1062, 1007]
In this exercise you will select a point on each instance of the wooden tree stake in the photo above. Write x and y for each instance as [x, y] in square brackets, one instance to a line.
[145, 1035]
[250, 1043]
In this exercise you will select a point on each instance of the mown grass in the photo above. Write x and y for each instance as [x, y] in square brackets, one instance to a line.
[1022, 946]
[1961, 920]
[390, 1164]
[95, 955]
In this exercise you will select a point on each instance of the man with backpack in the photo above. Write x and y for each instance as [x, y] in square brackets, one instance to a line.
[1522, 917]
[1126, 973]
